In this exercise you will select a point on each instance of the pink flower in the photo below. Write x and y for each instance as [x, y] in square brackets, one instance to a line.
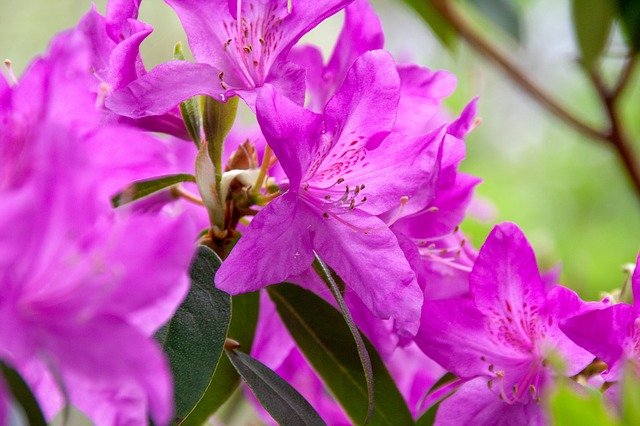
[83, 287]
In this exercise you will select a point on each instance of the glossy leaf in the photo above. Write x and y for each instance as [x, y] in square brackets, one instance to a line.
[190, 109]
[22, 395]
[629, 11]
[324, 338]
[142, 188]
[503, 13]
[592, 21]
[438, 24]
[331, 279]
[195, 336]
[279, 398]
[225, 380]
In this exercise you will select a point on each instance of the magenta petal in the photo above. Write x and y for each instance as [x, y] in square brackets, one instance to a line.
[452, 333]
[413, 164]
[385, 282]
[422, 92]
[465, 123]
[256, 261]
[116, 377]
[505, 276]
[635, 283]
[289, 80]
[272, 343]
[602, 332]
[203, 22]
[165, 87]
[360, 33]
[309, 57]
[283, 121]
[474, 403]
[364, 107]
[118, 14]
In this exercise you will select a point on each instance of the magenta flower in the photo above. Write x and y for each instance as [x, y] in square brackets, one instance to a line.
[497, 341]
[237, 50]
[115, 47]
[611, 334]
[338, 164]
[422, 90]
[83, 287]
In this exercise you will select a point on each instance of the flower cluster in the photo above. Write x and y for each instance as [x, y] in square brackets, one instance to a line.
[353, 160]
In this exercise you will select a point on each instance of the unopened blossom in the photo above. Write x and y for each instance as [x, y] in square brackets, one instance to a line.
[338, 165]
[612, 334]
[498, 340]
[115, 61]
[238, 47]
[83, 286]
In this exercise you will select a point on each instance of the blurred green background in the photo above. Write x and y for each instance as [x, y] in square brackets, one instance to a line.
[568, 193]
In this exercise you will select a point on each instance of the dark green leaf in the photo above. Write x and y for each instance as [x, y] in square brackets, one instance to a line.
[321, 333]
[195, 336]
[438, 24]
[630, 18]
[429, 417]
[503, 13]
[592, 21]
[22, 395]
[244, 318]
[330, 278]
[283, 402]
[190, 109]
[142, 188]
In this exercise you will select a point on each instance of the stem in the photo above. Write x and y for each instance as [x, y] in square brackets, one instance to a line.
[616, 136]
[264, 167]
[325, 274]
[613, 136]
[460, 24]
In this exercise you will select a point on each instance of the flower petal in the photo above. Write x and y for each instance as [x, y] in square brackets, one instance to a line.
[385, 282]
[282, 122]
[165, 87]
[277, 245]
[474, 403]
[505, 279]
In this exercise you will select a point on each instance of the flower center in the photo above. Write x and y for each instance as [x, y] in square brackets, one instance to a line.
[252, 40]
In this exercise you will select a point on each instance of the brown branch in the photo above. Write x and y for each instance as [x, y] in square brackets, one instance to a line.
[459, 23]
[613, 136]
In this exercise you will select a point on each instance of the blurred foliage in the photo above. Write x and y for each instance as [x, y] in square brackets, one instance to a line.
[567, 193]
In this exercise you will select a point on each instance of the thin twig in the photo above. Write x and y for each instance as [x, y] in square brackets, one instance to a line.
[614, 135]
[465, 30]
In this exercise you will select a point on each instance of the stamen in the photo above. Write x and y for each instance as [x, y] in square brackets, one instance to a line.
[103, 91]
[8, 65]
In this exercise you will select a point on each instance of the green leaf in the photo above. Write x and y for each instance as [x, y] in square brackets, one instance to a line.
[195, 336]
[321, 333]
[330, 278]
[142, 188]
[629, 11]
[280, 399]
[592, 21]
[244, 318]
[571, 408]
[22, 395]
[630, 396]
[189, 109]
[429, 417]
[438, 24]
[503, 13]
